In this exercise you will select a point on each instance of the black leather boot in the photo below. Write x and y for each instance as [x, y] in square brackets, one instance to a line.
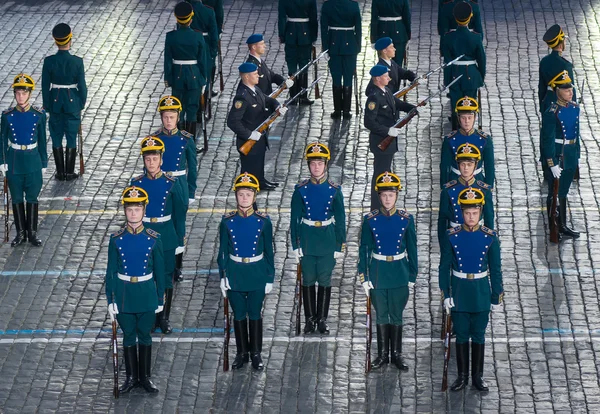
[145, 368]
[20, 224]
[178, 274]
[294, 90]
[32, 224]
[462, 365]
[323, 297]
[131, 370]
[347, 102]
[383, 345]
[396, 343]
[71, 156]
[59, 160]
[309, 296]
[477, 358]
[240, 329]
[303, 83]
[163, 317]
[337, 102]
[256, 337]
[562, 224]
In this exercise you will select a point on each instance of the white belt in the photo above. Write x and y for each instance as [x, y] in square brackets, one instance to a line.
[455, 224]
[185, 62]
[204, 33]
[323, 223]
[26, 147]
[390, 19]
[55, 86]
[239, 259]
[134, 279]
[341, 28]
[177, 173]
[560, 141]
[455, 171]
[462, 275]
[465, 62]
[384, 258]
[156, 219]
[298, 20]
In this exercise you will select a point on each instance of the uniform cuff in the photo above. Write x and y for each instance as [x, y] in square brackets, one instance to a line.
[550, 162]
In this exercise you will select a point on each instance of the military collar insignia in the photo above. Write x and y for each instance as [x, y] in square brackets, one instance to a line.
[388, 213]
[471, 132]
[474, 229]
[322, 179]
[171, 132]
[467, 183]
[157, 175]
[559, 102]
[20, 109]
[246, 213]
[137, 230]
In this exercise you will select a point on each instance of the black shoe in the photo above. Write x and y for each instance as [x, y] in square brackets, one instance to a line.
[303, 83]
[131, 369]
[178, 274]
[477, 358]
[256, 336]
[32, 224]
[347, 102]
[323, 298]
[214, 93]
[462, 365]
[20, 224]
[59, 160]
[396, 344]
[309, 296]
[562, 222]
[271, 183]
[71, 156]
[383, 345]
[267, 187]
[163, 321]
[337, 102]
[145, 362]
[240, 329]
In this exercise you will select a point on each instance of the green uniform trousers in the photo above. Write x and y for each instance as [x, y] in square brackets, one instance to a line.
[136, 325]
[317, 269]
[190, 101]
[470, 326]
[28, 184]
[389, 304]
[342, 67]
[297, 56]
[246, 304]
[564, 184]
[169, 268]
[60, 125]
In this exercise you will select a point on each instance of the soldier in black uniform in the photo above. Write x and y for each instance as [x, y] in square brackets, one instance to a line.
[251, 107]
[381, 114]
[257, 48]
[387, 51]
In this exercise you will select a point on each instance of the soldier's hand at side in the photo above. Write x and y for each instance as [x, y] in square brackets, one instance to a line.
[3, 168]
[497, 307]
[255, 136]
[298, 254]
[191, 201]
[289, 83]
[113, 310]
[282, 110]
[159, 309]
[166, 84]
[367, 286]
[338, 255]
[411, 284]
[268, 288]
[225, 286]
[448, 304]
[556, 171]
[393, 132]
[44, 170]
[326, 57]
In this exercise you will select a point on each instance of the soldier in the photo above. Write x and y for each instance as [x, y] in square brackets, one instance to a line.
[388, 267]
[457, 42]
[318, 231]
[469, 253]
[341, 33]
[217, 6]
[135, 287]
[446, 21]
[561, 147]
[64, 93]
[450, 215]
[205, 22]
[386, 51]
[165, 214]
[466, 110]
[186, 71]
[266, 77]
[247, 268]
[381, 114]
[251, 107]
[298, 29]
[24, 158]
[179, 160]
[552, 64]
[391, 18]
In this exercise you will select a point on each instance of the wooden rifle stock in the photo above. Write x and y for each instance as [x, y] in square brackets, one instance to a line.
[249, 144]
[81, 167]
[115, 357]
[443, 321]
[402, 92]
[554, 236]
[203, 118]
[298, 297]
[448, 328]
[221, 82]
[314, 56]
[227, 329]
[6, 209]
[369, 337]
[383, 145]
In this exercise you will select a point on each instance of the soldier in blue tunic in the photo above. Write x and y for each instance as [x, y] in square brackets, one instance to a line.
[64, 93]
[135, 287]
[24, 158]
[266, 77]
[469, 264]
[318, 231]
[391, 18]
[561, 147]
[388, 267]
[386, 51]
[179, 159]
[552, 64]
[247, 268]
[165, 214]
[466, 110]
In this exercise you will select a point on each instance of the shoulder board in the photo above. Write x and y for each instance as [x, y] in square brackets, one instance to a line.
[474, 1]
[372, 214]
[482, 134]
[404, 214]
[186, 134]
[157, 132]
[170, 177]
[139, 177]
[484, 185]
[229, 214]
[152, 233]
[118, 233]
[9, 110]
[261, 214]
[303, 182]
[334, 185]
[451, 134]
[553, 107]
[488, 231]
[208, 7]
[454, 230]
[575, 104]
[450, 184]
[38, 109]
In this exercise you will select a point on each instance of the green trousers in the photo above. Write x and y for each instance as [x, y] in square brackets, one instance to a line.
[29, 185]
[470, 326]
[389, 304]
[61, 125]
[317, 269]
[246, 304]
[136, 326]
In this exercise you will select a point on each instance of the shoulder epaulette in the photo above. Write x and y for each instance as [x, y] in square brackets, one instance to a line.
[152, 233]
[473, 1]
[482, 134]
[303, 183]
[138, 178]
[261, 214]
[170, 177]
[553, 107]
[372, 214]
[118, 233]
[483, 185]
[186, 134]
[451, 134]
[334, 185]
[229, 214]
[9, 110]
[158, 132]
[574, 103]
[450, 184]
[38, 109]
[404, 214]
[453, 230]
[488, 231]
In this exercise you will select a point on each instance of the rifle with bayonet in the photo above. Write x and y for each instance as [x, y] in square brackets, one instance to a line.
[418, 80]
[283, 86]
[221, 82]
[448, 333]
[314, 56]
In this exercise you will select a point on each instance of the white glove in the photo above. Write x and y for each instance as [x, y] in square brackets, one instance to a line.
[268, 288]
[556, 171]
[496, 307]
[113, 310]
[448, 304]
[373, 46]
[338, 255]
[255, 136]
[159, 309]
[225, 286]
[326, 57]
[289, 83]
[282, 110]
[367, 286]
[191, 201]
[298, 253]
[411, 284]
[3, 168]
[44, 170]
[180, 249]
[203, 89]
[393, 132]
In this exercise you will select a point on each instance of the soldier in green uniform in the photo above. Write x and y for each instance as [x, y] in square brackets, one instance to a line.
[469, 264]
[64, 93]
[388, 267]
[247, 268]
[135, 287]
[24, 158]
[341, 33]
[318, 231]
[391, 18]
[186, 69]
[446, 21]
[165, 214]
[217, 7]
[298, 29]
[561, 147]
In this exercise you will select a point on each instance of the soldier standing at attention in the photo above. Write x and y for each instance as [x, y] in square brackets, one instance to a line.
[391, 18]
[386, 51]
[217, 6]
[341, 33]
[64, 93]
[266, 77]
[446, 21]
[388, 267]
[318, 231]
[24, 158]
[204, 21]
[247, 268]
[135, 287]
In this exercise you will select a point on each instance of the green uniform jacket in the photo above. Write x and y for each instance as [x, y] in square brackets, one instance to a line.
[63, 69]
[186, 44]
[448, 156]
[550, 66]
[341, 13]
[298, 33]
[27, 161]
[458, 42]
[384, 274]
[204, 21]
[447, 22]
[217, 6]
[126, 251]
[398, 30]
[552, 152]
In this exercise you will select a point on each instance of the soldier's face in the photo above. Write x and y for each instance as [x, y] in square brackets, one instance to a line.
[22, 97]
[259, 48]
[390, 51]
[317, 168]
[244, 197]
[169, 119]
[152, 163]
[134, 214]
[466, 168]
[565, 94]
[250, 78]
[466, 121]
[388, 199]
[384, 79]
[471, 216]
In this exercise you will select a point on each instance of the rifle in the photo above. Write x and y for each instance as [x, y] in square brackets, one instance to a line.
[115, 354]
[298, 297]
[314, 56]
[405, 64]
[417, 81]
[356, 93]
[221, 83]
[577, 176]
[227, 327]
[293, 77]
[443, 321]
[262, 128]
[203, 122]
[6, 209]
[554, 236]
[383, 145]
[480, 109]
[448, 329]
[81, 168]
[369, 337]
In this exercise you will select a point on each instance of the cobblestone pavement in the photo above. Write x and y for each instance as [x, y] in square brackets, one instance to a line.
[54, 330]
